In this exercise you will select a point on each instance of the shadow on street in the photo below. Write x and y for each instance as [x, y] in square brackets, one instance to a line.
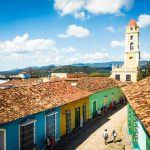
[79, 135]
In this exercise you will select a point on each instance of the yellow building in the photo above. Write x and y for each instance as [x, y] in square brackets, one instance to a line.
[129, 70]
[72, 113]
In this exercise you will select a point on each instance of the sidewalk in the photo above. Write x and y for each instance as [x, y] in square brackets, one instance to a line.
[126, 137]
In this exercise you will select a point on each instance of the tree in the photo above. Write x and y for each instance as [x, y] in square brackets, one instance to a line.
[141, 74]
[144, 73]
[148, 69]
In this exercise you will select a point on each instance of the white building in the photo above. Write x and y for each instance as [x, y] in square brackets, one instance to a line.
[129, 70]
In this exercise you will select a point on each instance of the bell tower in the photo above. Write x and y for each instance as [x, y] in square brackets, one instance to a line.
[132, 53]
[129, 70]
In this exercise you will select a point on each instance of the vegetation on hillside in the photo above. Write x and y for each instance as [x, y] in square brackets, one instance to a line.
[143, 73]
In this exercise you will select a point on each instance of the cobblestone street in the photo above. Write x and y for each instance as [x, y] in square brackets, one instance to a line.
[90, 136]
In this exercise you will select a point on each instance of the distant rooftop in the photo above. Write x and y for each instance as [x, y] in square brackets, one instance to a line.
[138, 95]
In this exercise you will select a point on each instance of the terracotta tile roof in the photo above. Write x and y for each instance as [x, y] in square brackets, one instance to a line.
[94, 84]
[28, 82]
[132, 23]
[22, 101]
[138, 95]
[71, 79]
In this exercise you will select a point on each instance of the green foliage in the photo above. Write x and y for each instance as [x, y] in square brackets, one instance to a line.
[148, 69]
[96, 74]
[144, 73]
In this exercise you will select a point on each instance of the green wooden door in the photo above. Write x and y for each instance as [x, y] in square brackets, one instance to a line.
[94, 107]
[77, 117]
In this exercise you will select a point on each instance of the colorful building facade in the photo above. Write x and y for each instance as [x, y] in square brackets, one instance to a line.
[31, 114]
[140, 139]
[137, 95]
[71, 114]
[23, 133]
[103, 98]
[104, 91]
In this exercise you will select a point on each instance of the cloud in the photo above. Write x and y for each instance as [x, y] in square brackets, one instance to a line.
[22, 44]
[144, 20]
[88, 57]
[73, 7]
[70, 49]
[75, 31]
[116, 44]
[68, 6]
[22, 52]
[110, 29]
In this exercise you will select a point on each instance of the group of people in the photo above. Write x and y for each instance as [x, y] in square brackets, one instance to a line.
[106, 136]
[50, 141]
[105, 109]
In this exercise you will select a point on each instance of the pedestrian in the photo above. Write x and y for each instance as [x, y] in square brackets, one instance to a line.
[99, 112]
[105, 136]
[47, 142]
[81, 122]
[114, 135]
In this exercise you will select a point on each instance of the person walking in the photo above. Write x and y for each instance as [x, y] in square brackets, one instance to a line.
[114, 135]
[105, 136]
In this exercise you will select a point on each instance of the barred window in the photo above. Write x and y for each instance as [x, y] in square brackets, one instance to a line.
[50, 125]
[68, 121]
[27, 136]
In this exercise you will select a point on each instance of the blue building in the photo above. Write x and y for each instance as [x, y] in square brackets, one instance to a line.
[23, 133]
[28, 115]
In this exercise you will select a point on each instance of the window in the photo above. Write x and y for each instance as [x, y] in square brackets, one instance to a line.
[128, 77]
[131, 46]
[2, 139]
[51, 125]
[131, 37]
[27, 135]
[131, 28]
[68, 121]
[84, 113]
[131, 57]
[117, 77]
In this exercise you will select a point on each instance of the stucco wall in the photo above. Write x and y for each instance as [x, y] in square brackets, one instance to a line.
[12, 130]
[100, 96]
[71, 107]
[141, 137]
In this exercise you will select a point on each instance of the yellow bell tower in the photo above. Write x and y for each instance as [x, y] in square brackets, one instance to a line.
[132, 53]
[129, 70]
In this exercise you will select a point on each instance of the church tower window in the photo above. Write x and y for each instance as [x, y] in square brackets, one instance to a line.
[131, 37]
[131, 46]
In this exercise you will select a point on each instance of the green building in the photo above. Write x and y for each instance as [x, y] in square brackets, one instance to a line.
[104, 91]
[138, 96]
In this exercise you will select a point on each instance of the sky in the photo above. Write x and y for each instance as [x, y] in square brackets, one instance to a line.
[61, 32]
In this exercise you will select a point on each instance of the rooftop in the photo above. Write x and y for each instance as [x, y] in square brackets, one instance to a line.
[132, 23]
[138, 95]
[21, 83]
[23, 101]
[95, 84]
